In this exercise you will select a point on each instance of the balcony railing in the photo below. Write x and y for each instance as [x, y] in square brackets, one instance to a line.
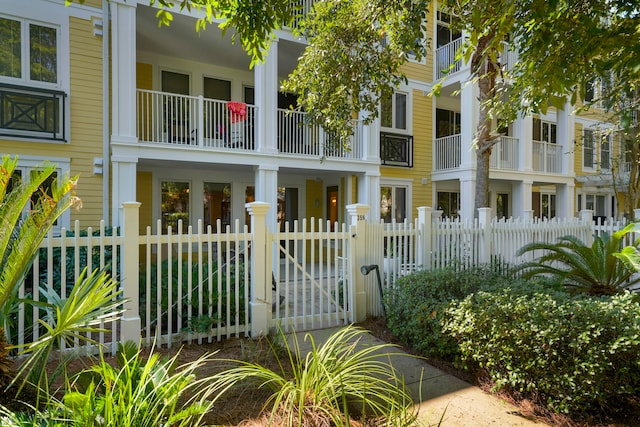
[504, 154]
[396, 149]
[446, 57]
[28, 112]
[447, 152]
[196, 121]
[547, 157]
[509, 57]
[296, 136]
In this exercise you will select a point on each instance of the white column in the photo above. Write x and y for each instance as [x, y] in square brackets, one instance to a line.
[522, 199]
[266, 184]
[123, 71]
[369, 193]
[565, 195]
[266, 98]
[523, 130]
[370, 138]
[130, 322]
[467, 198]
[123, 103]
[469, 109]
[358, 251]
[260, 304]
[565, 128]
[123, 181]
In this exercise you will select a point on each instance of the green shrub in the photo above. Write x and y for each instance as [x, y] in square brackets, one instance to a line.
[415, 305]
[573, 353]
[604, 268]
[189, 302]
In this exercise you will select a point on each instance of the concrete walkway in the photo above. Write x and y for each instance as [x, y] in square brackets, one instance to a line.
[441, 396]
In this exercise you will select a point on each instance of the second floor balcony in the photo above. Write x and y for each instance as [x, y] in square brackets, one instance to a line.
[198, 122]
[546, 157]
[448, 153]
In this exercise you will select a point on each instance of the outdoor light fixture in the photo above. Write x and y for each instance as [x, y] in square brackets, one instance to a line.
[366, 269]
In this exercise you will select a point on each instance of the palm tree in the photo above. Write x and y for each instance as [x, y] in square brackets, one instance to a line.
[604, 268]
[92, 298]
[20, 235]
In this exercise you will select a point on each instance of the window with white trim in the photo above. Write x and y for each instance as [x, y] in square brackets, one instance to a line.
[605, 152]
[544, 131]
[24, 171]
[395, 202]
[394, 112]
[174, 205]
[588, 148]
[449, 203]
[31, 102]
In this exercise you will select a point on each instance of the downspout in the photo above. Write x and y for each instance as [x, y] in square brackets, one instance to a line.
[106, 117]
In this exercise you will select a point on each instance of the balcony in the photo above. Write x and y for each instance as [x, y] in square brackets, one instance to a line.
[396, 149]
[446, 58]
[508, 57]
[32, 113]
[195, 121]
[547, 157]
[448, 153]
[504, 155]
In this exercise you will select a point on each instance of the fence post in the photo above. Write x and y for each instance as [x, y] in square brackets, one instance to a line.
[586, 218]
[129, 262]
[259, 304]
[484, 220]
[358, 252]
[423, 255]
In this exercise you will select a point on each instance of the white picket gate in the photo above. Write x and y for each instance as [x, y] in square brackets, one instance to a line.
[202, 286]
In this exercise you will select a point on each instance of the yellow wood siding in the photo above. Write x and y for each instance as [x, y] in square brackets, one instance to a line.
[314, 192]
[85, 122]
[144, 194]
[144, 76]
[422, 152]
[86, 139]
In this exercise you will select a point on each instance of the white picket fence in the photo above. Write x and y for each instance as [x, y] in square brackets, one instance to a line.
[202, 286]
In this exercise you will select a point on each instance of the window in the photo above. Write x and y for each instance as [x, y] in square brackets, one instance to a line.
[605, 153]
[23, 173]
[447, 123]
[544, 131]
[547, 205]
[31, 106]
[217, 205]
[217, 89]
[449, 203]
[596, 203]
[175, 205]
[28, 51]
[502, 205]
[444, 35]
[393, 203]
[175, 83]
[393, 112]
[249, 95]
[588, 147]
[591, 90]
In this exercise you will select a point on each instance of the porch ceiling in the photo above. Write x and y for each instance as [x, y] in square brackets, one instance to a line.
[181, 40]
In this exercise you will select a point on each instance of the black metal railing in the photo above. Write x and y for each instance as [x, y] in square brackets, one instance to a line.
[396, 149]
[32, 112]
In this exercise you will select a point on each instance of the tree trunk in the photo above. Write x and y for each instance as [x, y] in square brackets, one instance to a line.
[486, 71]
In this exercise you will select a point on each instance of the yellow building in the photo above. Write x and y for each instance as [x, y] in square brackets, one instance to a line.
[178, 121]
